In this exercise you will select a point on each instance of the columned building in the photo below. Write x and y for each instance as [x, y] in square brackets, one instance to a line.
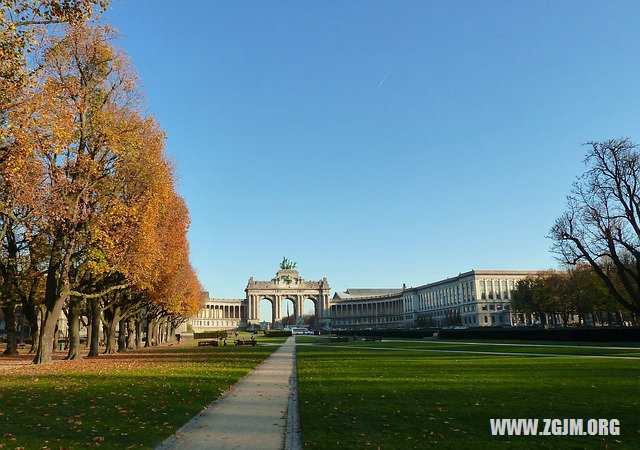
[219, 314]
[472, 299]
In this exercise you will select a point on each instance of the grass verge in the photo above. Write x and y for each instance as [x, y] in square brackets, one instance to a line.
[130, 400]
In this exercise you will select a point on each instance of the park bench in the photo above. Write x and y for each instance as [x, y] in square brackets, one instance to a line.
[340, 339]
[212, 343]
[241, 342]
[373, 338]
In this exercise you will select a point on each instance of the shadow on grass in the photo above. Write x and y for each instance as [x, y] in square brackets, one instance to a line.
[355, 398]
[137, 398]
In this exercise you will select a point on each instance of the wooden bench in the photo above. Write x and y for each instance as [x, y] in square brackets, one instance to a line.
[373, 338]
[213, 343]
[241, 342]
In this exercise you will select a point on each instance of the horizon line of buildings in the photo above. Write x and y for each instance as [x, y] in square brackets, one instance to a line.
[477, 298]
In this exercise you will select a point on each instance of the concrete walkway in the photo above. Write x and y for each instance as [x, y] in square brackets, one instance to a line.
[252, 416]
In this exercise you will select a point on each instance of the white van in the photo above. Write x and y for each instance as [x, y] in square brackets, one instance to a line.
[299, 331]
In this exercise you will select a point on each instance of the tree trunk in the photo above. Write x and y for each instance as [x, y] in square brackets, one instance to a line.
[138, 340]
[111, 331]
[56, 335]
[9, 311]
[131, 332]
[31, 313]
[153, 325]
[147, 332]
[48, 332]
[122, 335]
[88, 341]
[56, 294]
[94, 338]
[75, 308]
[35, 336]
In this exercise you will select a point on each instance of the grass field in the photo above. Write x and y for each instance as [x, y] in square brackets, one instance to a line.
[355, 397]
[135, 399]
[492, 347]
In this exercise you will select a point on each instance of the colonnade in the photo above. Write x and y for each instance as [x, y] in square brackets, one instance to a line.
[320, 302]
[221, 311]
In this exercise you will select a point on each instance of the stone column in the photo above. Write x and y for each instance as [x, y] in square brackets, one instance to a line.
[254, 308]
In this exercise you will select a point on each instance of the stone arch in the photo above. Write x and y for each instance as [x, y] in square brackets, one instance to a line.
[289, 301]
[272, 303]
[315, 309]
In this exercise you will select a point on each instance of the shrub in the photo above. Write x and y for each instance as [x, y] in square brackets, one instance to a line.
[210, 334]
[277, 333]
[393, 333]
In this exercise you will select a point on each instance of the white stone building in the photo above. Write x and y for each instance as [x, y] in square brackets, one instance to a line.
[477, 298]
[219, 314]
[474, 298]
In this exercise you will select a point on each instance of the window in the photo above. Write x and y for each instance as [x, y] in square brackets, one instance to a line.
[484, 307]
[490, 287]
[505, 291]
[483, 290]
[497, 283]
[485, 319]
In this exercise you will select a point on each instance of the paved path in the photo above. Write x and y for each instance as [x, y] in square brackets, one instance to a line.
[252, 416]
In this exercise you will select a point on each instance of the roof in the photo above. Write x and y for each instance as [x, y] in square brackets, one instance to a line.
[354, 294]
[373, 291]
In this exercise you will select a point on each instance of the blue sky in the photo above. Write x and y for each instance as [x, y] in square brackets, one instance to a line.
[289, 143]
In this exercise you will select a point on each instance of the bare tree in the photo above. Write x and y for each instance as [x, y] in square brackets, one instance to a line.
[602, 223]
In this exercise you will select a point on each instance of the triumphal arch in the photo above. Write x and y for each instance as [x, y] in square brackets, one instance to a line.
[287, 284]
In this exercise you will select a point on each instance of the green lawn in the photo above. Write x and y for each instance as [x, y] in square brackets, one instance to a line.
[135, 399]
[352, 397]
[481, 346]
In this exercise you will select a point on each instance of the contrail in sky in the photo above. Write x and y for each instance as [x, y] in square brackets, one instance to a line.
[384, 78]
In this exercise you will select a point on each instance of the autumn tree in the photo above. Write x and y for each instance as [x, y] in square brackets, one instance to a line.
[601, 225]
[88, 87]
[90, 221]
[21, 26]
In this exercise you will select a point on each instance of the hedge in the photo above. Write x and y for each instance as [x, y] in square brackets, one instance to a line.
[210, 334]
[277, 333]
[392, 333]
[601, 334]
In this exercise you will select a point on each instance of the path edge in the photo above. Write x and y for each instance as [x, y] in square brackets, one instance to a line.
[292, 434]
[169, 442]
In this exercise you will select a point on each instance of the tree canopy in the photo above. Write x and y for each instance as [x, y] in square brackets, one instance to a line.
[90, 221]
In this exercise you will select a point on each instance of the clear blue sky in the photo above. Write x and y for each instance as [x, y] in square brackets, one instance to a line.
[380, 143]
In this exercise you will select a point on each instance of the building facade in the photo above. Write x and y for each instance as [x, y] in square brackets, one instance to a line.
[472, 299]
[478, 298]
[219, 314]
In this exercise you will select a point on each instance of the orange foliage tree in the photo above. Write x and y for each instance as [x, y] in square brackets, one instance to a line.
[90, 222]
